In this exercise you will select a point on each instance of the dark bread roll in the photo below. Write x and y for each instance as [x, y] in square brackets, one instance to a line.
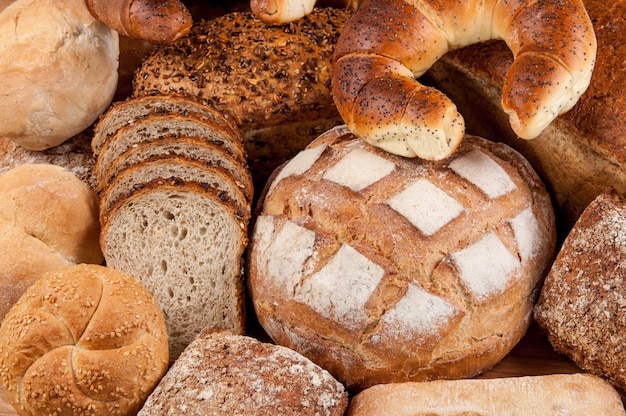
[221, 373]
[383, 269]
[582, 303]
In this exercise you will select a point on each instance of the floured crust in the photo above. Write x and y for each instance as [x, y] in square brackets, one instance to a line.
[224, 373]
[582, 302]
[399, 232]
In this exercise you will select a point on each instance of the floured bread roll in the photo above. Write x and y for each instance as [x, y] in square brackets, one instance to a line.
[58, 71]
[83, 340]
[385, 269]
[48, 220]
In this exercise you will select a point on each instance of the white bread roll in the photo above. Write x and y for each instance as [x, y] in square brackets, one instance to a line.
[381, 268]
[48, 220]
[84, 339]
[58, 71]
[550, 395]
[221, 373]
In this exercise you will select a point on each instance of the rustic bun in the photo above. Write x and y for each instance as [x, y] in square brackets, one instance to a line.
[48, 220]
[581, 153]
[223, 373]
[558, 394]
[273, 80]
[386, 46]
[82, 340]
[581, 306]
[58, 69]
[464, 241]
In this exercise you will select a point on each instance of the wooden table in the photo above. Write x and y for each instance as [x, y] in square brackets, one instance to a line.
[532, 356]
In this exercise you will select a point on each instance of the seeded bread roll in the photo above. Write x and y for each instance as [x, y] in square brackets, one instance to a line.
[48, 220]
[581, 306]
[221, 373]
[582, 152]
[384, 269]
[84, 339]
[273, 80]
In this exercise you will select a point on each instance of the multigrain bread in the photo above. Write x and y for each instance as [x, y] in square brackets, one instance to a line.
[84, 339]
[173, 167]
[48, 220]
[581, 306]
[273, 80]
[551, 395]
[166, 125]
[58, 69]
[221, 373]
[579, 155]
[190, 148]
[381, 268]
[185, 244]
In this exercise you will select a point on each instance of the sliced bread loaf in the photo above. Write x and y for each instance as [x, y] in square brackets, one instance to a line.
[173, 167]
[185, 244]
[165, 125]
[123, 113]
[192, 148]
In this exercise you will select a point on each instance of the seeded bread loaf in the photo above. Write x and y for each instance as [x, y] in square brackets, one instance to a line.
[381, 268]
[273, 80]
[550, 395]
[83, 339]
[185, 244]
[582, 152]
[221, 373]
[581, 306]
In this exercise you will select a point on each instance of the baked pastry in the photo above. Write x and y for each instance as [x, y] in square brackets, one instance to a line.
[387, 44]
[274, 81]
[58, 69]
[558, 394]
[582, 152]
[581, 306]
[221, 373]
[153, 21]
[382, 269]
[83, 339]
[48, 220]
[185, 243]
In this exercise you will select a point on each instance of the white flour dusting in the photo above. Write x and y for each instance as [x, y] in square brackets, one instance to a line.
[359, 169]
[484, 172]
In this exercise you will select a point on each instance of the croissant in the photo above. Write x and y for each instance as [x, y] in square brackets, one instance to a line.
[388, 44]
[154, 21]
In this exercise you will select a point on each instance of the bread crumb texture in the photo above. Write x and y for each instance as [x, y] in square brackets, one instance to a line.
[583, 300]
[85, 340]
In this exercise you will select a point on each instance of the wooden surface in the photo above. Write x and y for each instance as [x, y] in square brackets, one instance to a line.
[532, 356]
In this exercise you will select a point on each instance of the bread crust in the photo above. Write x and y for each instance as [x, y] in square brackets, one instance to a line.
[86, 332]
[316, 225]
[387, 44]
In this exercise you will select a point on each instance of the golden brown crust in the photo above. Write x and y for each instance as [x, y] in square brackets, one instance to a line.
[86, 332]
[318, 222]
[553, 43]
[581, 303]
[150, 20]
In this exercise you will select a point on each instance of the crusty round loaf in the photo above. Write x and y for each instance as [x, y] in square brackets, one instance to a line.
[48, 219]
[84, 339]
[581, 306]
[384, 269]
[221, 373]
[58, 69]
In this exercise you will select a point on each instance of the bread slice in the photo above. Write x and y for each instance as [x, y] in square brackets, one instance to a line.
[221, 373]
[165, 125]
[185, 244]
[173, 167]
[123, 113]
[192, 148]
